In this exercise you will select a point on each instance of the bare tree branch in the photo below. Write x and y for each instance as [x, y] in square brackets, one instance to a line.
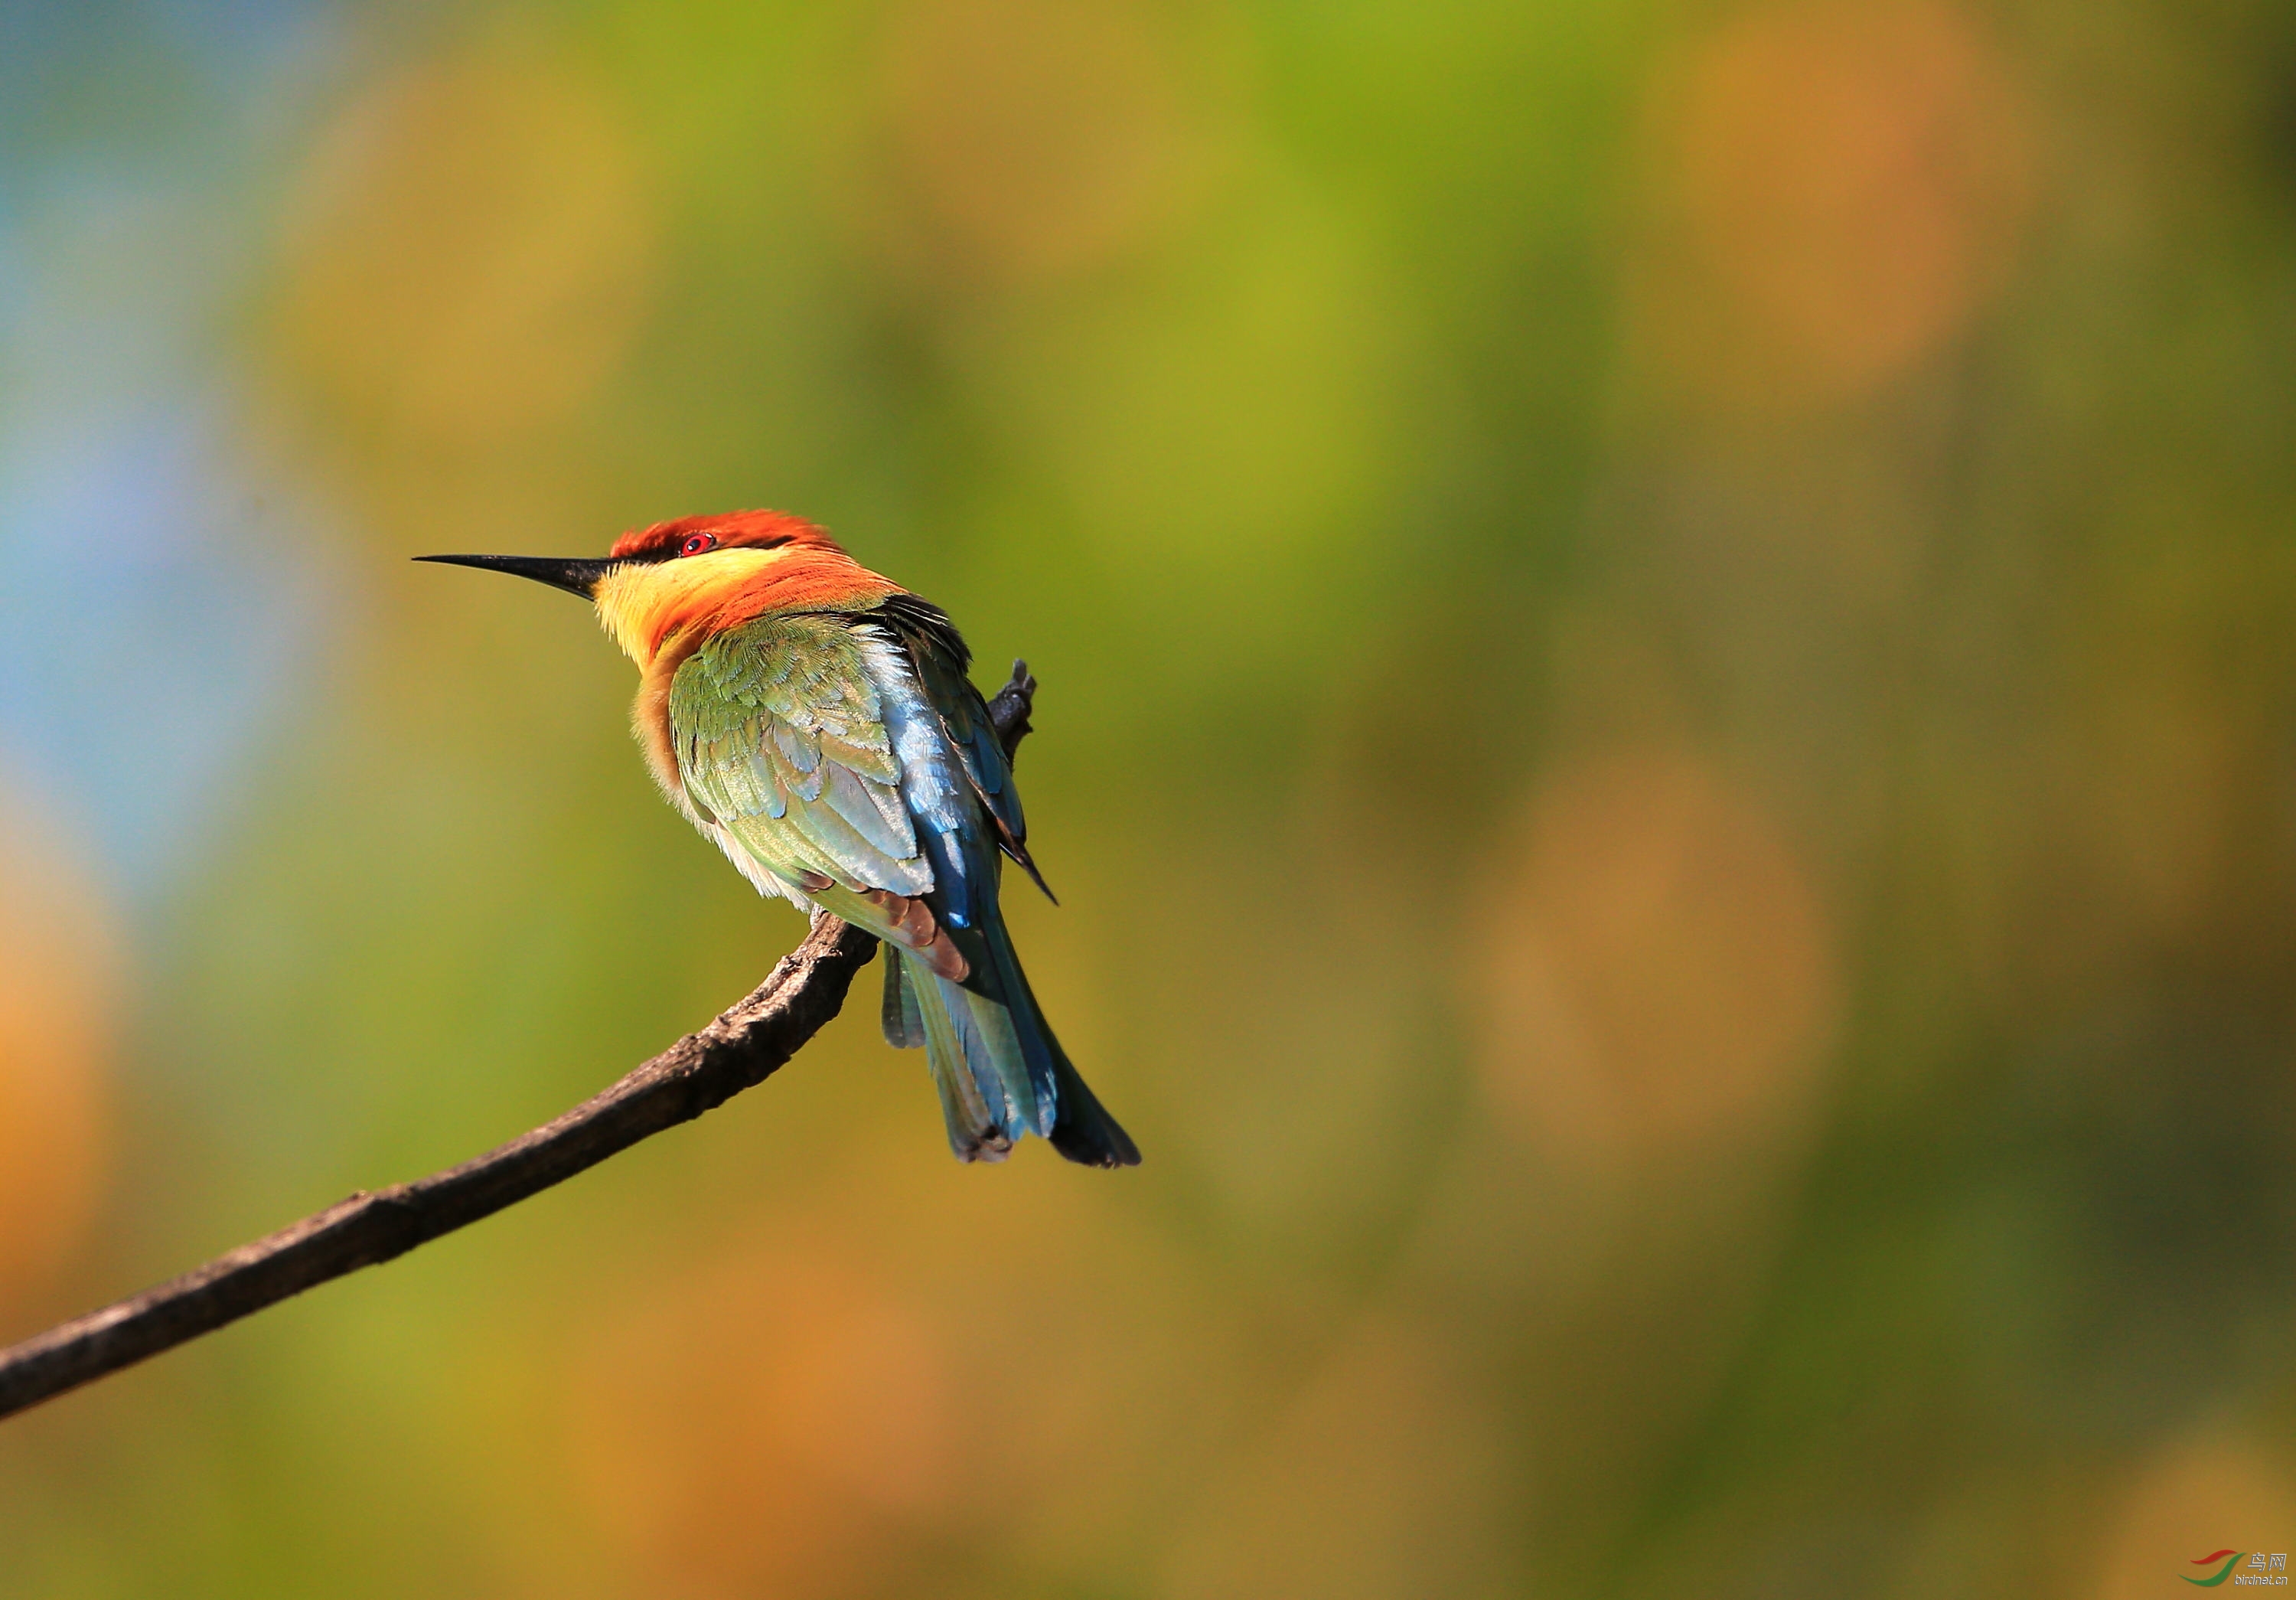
[703, 1071]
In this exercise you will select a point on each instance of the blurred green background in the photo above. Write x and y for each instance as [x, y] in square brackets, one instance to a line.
[1668, 738]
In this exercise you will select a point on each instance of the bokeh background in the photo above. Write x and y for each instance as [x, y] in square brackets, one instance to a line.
[1668, 738]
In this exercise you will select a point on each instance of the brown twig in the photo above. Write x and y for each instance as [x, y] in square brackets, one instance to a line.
[703, 1071]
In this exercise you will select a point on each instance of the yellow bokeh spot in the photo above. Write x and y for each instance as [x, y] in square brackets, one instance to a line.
[778, 1423]
[58, 981]
[1385, 1478]
[1840, 186]
[472, 249]
[917, 1368]
[1658, 976]
[1028, 139]
[2197, 1496]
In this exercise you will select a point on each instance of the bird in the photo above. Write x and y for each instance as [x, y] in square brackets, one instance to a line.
[815, 720]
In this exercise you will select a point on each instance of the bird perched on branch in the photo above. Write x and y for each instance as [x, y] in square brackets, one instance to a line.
[815, 720]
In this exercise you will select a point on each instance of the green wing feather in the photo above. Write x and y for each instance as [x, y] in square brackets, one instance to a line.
[781, 735]
[835, 782]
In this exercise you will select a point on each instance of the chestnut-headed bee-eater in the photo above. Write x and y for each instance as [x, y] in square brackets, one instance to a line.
[816, 720]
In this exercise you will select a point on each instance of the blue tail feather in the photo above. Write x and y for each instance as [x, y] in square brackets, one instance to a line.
[999, 1070]
[979, 1128]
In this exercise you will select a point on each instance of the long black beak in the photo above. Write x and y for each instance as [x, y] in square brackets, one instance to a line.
[575, 577]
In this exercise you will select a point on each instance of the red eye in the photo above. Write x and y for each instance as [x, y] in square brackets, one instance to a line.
[696, 543]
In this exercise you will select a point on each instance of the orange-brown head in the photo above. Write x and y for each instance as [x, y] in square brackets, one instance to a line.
[690, 578]
[733, 530]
